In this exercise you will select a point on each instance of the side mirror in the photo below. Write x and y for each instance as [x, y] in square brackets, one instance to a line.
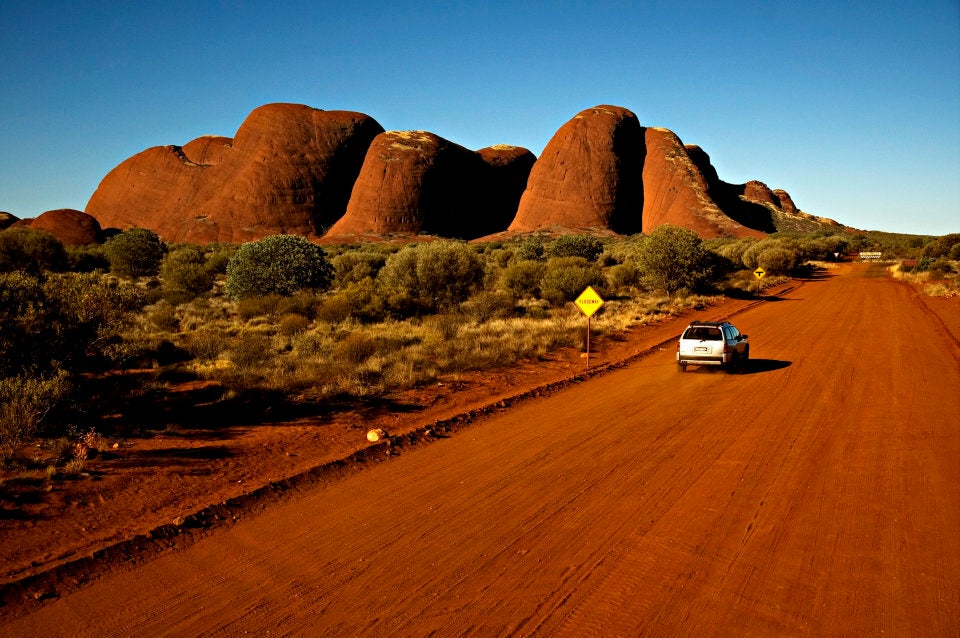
[742, 337]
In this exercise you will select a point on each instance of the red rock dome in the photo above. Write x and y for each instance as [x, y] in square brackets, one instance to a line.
[71, 227]
[289, 169]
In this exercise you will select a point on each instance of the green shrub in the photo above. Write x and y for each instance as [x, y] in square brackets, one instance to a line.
[673, 259]
[777, 261]
[24, 403]
[30, 251]
[531, 249]
[430, 277]
[522, 278]
[353, 266]
[280, 264]
[625, 275]
[218, 256]
[585, 246]
[136, 252]
[566, 277]
[184, 270]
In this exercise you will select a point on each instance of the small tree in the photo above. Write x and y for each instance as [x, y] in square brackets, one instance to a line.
[280, 264]
[136, 252]
[673, 259]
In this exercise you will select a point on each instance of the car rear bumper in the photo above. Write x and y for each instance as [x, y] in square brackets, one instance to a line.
[700, 361]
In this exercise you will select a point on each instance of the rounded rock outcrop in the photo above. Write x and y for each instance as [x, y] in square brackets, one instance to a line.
[417, 183]
[290, 168]
[71, 227]
[588, 176]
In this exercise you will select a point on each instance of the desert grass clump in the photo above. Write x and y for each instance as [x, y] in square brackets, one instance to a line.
[206, 344]
[163, 317]
[292, 324]
[356, 348]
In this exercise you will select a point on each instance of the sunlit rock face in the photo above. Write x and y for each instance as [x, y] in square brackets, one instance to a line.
[289, 169]
[71, 227]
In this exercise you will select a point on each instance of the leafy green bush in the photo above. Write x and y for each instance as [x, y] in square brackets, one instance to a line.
[624, 276]
[136, 252]
[777, 261]
[30, 251]
[430, 277]
[590, 248]
[356, 265]
[280, 264]
[522, 278]
[673, 259]
[531, 249]
[566, 277]
[184, 271]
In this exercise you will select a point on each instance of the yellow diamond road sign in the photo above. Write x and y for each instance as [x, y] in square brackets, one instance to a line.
[759, 273]
[589, 301]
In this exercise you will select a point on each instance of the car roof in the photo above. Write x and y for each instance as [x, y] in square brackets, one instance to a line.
[712, 324]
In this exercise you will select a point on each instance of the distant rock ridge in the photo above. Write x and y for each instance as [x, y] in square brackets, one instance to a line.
[339, 177]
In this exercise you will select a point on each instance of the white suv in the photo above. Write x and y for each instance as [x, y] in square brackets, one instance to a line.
[713, 343]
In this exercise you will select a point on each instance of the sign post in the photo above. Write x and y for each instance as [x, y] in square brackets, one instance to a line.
[588, 302]
[759, 273]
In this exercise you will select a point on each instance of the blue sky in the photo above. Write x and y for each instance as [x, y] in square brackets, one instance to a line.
[851, 107]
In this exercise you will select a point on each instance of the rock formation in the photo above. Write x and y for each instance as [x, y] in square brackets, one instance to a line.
[71, 227]
[415, 182]
[588, 176]
[7, 220]
[295, 169]
[676, 191]
[289, 169]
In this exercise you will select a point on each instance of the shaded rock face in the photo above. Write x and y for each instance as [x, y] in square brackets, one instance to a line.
[7, 220]
[588, 176]
[289, 169]
[415, 182]
[71, 227]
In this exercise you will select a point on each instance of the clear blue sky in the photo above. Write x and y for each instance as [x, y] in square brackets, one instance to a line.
[852, 107]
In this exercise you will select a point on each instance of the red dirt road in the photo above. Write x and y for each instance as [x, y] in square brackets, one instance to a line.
[818, 495]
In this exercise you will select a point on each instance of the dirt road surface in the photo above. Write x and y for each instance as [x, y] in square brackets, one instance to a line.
[816, 495]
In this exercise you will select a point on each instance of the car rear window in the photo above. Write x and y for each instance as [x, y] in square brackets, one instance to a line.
[703, 334]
